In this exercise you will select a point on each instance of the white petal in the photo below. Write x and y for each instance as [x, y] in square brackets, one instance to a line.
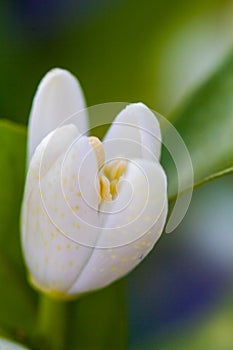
[135, 133]
[133, 230]
[9, 345]
[58, 97]
[60, 209]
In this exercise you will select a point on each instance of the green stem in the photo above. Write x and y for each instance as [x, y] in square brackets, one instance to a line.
[212, 177]
[52, 322]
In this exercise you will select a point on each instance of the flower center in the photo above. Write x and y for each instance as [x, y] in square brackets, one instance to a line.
[110, 173]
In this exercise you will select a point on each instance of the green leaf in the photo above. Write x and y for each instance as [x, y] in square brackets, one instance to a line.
[205, 123]
[17, 299]
[99, 321]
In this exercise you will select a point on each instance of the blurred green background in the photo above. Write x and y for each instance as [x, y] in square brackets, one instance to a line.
[158, 52]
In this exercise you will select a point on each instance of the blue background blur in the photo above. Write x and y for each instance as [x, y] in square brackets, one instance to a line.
[156, 52]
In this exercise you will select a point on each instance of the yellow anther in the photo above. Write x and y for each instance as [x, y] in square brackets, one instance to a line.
[115, 169]
[109, 178]
[98, 148]
[105, 193]
[110, 174]
[113, 187]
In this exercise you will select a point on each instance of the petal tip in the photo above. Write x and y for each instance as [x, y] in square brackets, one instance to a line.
[54, 74]
[137, 105]
[58, 97]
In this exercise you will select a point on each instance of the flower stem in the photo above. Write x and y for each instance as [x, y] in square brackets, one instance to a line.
[52, 322]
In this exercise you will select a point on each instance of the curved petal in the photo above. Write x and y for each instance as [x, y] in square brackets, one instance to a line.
[135, 133]
[9, 345]
[60, 208]
[130, 230]
[58, 96]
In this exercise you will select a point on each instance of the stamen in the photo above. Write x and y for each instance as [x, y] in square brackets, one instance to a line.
[105, 192]
[115, 169]
[113, 187]
[111, 173]
[99, 150]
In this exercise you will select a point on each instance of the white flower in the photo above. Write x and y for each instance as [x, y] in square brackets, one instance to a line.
[9, 345]
[91, 210]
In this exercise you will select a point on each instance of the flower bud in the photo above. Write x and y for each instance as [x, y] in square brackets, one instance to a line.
[92, 210]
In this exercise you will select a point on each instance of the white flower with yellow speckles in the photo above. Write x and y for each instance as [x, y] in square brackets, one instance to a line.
[92, 210]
